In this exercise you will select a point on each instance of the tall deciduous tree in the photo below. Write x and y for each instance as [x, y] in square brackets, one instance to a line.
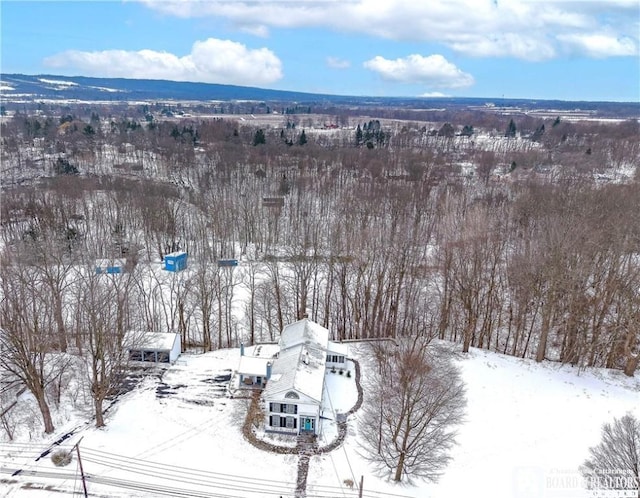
[103, 314]
[416, 398]
[27, 335]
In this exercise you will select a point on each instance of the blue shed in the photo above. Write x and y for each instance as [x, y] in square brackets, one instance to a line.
[225, 263]
[110, 266]
[175, 261]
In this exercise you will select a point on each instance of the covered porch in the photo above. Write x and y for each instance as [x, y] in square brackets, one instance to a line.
[253, 372]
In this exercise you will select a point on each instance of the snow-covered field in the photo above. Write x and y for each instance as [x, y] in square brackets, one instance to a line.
[529, 427]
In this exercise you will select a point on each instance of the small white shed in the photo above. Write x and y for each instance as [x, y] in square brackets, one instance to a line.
[154, 347]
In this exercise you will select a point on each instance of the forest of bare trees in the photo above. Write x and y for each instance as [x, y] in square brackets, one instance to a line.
[525, 245]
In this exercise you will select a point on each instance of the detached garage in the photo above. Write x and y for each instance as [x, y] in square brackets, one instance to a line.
[153, 347]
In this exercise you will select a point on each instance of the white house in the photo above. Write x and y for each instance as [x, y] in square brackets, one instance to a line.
[293, 394]
[154, 347]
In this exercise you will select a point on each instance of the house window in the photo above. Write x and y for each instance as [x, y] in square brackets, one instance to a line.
[291, 423]
[283, 408]
[291, 395]
[274, 420]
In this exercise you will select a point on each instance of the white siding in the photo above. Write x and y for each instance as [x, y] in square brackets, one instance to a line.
[175, 350]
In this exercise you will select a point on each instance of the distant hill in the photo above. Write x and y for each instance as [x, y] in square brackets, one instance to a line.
[119, 89]
[16, 88]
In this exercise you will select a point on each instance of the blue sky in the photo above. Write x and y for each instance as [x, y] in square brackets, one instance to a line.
[540, 49]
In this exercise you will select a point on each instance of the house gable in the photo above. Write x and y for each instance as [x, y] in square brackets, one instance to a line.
[304, 332]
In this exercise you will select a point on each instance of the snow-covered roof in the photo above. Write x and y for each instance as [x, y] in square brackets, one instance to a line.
[251, 365]
[150, 341]
[175, 254]
[299, 368]
[304, 331]
[338, 348]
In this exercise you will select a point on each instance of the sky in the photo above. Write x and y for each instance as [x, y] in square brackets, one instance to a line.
[537, 49]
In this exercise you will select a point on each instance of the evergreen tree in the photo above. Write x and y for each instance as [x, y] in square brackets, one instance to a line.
[285, 186]
[511, 130]
[467, 131]
[447, 130]
[64, 167]
[358, 135]
[302, 139]
[259, 137]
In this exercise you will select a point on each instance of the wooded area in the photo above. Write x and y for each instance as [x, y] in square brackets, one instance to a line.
[523, 242]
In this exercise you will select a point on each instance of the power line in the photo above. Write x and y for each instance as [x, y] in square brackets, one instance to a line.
[238, 488]
[119, 460]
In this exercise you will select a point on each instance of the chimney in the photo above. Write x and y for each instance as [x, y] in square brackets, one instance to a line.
[241, 349]
[268, 370]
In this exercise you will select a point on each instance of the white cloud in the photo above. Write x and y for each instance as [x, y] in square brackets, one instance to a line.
[258, 30]
[600, 45]
[526, 29]
[210, 61]
[505, 44]
[433, 95]
[433, 70]
[338, 63]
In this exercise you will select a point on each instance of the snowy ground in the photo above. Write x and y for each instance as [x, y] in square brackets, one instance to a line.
[528, 428]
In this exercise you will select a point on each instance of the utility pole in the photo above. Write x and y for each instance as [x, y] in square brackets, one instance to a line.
[84, 481]
[360, 488]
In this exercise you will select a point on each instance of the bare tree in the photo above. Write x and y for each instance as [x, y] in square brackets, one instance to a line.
[416, 399]
[615, 462]
[201, 288]
[104, 322]
[251, 276]
[28, 336]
